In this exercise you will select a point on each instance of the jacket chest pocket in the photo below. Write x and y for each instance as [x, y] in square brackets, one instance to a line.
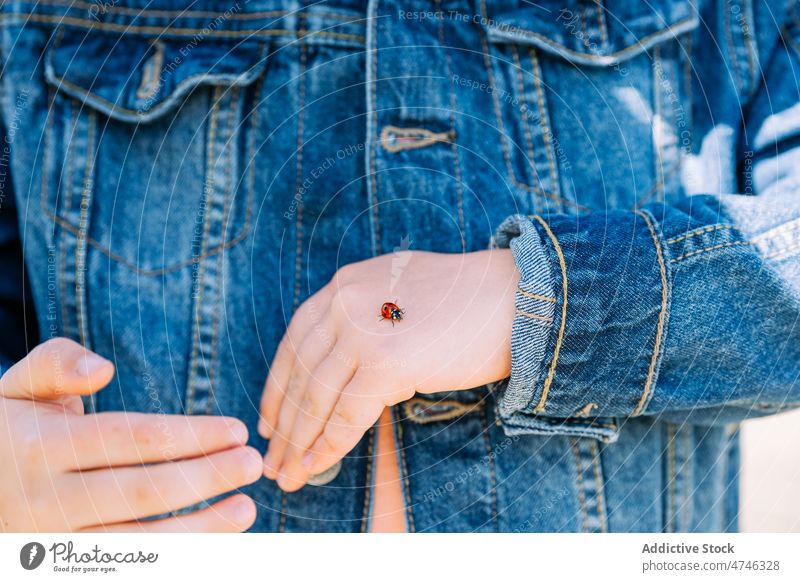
[594, 98]
[146, 153]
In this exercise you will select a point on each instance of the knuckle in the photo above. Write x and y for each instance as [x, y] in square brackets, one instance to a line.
[342, 416]
[344, 274]
[325, 444]
[330, 447]
[304, 313]
[309, 310]
[347, 352]
[292, 340]
[143, 433]
[89, 435]
[311, 405]
[141, 493]
[40, 507]
[346, 296]
[319, 338]
[31, 444]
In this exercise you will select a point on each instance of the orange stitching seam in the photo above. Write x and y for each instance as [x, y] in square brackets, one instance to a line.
[503, 143]
[80, 247]
[207, 195]
[536, 296]
[573, 443]
[648, 384]
[551, 372]
[217, 314]
[535, 316]
[368, 479]
[699, 232]
[719, 246]
[160, 30]
[547, 133]
[599, 484]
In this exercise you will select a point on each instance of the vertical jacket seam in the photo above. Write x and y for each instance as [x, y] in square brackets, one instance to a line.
[80, 247]
[599, 484]
[372, 101]
[658, 158]
[298, 224]
[671, 479]
[368, 481]
[526, 127]
[648, 385]
[601, 22]
[453, 144]
[196, 314]
[284, 507]
[547, 133]
[727, 25]
[688, 470]
[73, 125]
[501, 127]
[492, 470]
[220, 269]
[573, 443]
[688, 75]
[750, 42]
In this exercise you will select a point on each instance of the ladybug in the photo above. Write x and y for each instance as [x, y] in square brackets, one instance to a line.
[391, 312]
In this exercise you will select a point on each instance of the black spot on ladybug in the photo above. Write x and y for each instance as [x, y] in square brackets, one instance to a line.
[391, 312]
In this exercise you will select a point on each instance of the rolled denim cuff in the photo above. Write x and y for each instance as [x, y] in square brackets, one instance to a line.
[533, 332]
[535, 306]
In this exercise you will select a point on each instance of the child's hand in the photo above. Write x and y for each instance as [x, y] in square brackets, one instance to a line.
[66, 471]
[340, 363]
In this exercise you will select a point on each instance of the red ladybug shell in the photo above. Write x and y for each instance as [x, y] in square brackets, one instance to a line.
[390, 311]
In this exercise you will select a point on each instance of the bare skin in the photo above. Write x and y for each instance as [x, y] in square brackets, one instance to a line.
[70, 471]
[338, 366]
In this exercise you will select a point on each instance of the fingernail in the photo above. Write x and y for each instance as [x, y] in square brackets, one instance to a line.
[269, 471]
[264, 429]
[307, 460]
[238, 431]
[283, 481]
[242, 511]
[89, 364]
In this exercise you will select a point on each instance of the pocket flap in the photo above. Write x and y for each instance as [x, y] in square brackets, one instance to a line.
[589, 33]
[137, 79]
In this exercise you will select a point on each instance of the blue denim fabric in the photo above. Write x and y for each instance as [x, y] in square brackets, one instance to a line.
[184, 177]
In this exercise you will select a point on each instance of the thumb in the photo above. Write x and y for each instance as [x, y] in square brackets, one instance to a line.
[56, 368]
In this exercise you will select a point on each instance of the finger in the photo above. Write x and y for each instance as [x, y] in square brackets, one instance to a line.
[323, 391]
[313, 350]
[124, 438]
[54, 369]
[276, 386]
[131, 493]
[358, 408]
[231, 515]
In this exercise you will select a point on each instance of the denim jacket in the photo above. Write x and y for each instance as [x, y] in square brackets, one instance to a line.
[180, 176]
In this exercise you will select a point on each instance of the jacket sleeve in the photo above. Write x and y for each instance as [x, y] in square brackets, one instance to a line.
[690, 311]
[17, 319]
